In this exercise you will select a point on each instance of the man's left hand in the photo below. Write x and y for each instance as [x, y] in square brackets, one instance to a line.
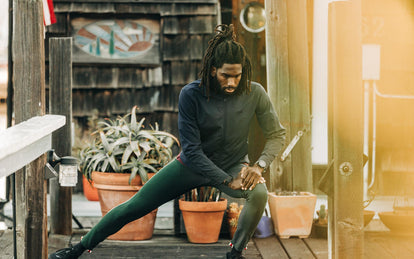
[252, 175]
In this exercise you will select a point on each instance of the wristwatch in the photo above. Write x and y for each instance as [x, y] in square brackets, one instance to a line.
[261, 163]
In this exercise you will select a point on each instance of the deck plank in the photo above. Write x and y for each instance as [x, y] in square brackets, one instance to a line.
[162, 245]
[270, 247]
[387, 245]
[296, 248]
[319, 247]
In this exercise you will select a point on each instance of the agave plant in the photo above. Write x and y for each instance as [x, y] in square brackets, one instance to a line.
[203, 194]
[124, 146]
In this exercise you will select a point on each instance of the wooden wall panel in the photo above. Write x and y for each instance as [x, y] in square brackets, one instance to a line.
[139, 78]
[202, 24]
[107, 77]
[141, 8]
[165, 99]
[196, 47]
[123, 103]
[166, 73]
[181, 72]
[176, 92]
[193, 9]
[176, 47]
[77, 100]
[126, 77]
[83, 77]
[175, 25]
[154, 76]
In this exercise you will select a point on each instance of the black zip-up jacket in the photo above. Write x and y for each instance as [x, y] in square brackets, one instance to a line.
[214, 131]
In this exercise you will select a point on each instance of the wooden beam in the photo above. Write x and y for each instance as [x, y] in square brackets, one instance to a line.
[29, 101]
[60, 102]
[345, 81]
[278, 78]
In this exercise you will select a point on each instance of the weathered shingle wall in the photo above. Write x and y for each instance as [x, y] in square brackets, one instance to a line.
[185, 28]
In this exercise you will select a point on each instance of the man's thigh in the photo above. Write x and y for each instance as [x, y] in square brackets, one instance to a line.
[171, 181]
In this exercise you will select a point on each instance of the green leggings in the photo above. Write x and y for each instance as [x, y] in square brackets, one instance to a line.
[169, 183]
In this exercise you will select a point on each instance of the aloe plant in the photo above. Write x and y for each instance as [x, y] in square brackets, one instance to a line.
[124, 146]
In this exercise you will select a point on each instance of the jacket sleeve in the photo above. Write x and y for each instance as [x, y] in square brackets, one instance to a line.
[191, 149]
[273, 131]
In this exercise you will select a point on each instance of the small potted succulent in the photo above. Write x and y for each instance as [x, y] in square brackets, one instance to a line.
[203, 211]
[320, 225]
[121, 157]
[233, 214]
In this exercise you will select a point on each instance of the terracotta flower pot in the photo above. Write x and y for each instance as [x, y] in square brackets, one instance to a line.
[202, 220]
[292, 215]
[399, 222]
[113, 189]
[89, 190]
[368, 215]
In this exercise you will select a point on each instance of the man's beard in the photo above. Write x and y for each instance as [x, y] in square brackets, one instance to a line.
[216, 87]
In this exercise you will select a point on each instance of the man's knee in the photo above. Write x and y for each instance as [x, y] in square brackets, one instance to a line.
[259, 194]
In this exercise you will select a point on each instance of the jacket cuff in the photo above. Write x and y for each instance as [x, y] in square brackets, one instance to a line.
[227, 180]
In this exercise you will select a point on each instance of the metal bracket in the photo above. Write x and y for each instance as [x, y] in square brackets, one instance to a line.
[50, 172]
[291, 145]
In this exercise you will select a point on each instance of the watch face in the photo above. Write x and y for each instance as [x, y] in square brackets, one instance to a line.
[261, 163]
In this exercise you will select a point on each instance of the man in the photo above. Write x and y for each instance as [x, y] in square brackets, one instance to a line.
[213, 121]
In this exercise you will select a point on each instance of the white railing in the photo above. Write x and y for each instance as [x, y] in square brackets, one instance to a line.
[26, 141]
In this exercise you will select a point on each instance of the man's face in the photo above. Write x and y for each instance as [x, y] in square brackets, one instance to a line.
[228, 77]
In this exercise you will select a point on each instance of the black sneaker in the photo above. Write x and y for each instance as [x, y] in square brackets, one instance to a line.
[230, 256]
[68, 253]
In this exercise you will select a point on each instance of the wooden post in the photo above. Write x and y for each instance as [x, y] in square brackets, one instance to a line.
[301, 160]
[29, 101]
[60, 102]
[288, 86]
[345, 81]
[278, 77]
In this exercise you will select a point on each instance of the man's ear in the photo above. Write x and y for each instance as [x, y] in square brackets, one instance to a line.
[213, 71]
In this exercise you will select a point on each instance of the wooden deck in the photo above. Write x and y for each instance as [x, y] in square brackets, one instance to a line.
[165, 245]
[378, 245]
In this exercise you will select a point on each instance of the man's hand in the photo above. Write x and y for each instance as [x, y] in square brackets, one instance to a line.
[236, 184]
[251, 176]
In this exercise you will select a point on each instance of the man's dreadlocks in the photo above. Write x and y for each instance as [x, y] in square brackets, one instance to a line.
[223, 48]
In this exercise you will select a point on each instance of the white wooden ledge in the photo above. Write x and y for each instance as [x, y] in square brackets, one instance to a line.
[26, 141]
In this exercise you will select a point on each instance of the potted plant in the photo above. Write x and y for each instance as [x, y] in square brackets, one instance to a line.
[203, 211]
[292, 213]
[121, 157]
